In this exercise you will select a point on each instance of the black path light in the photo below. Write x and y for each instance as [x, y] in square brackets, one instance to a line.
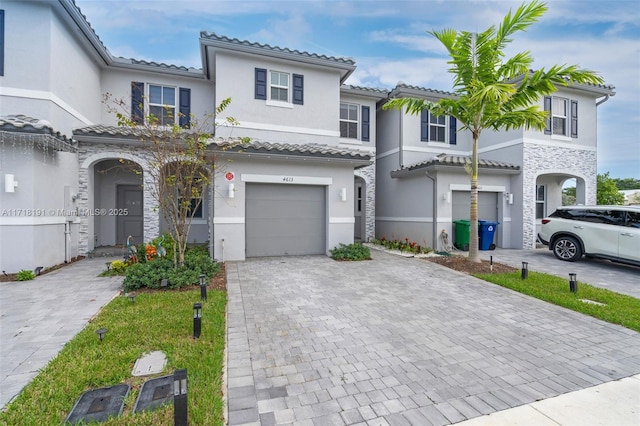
[101, 332]
[132, 297]
[197, 319]
[491, 263]
[573, 282]
[164, 283]
[108, 265]
[525, 270]
[203, 287]
[180, 397]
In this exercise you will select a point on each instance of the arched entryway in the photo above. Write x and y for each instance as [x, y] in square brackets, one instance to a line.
[549, 191]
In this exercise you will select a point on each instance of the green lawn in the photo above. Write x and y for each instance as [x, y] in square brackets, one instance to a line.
[156, 321]
[619, 309]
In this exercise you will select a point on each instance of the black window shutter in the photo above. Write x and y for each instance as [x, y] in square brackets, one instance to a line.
[424, 126]
[365, 124]
[185, 107]
[453, 125]
[137, 102]
[1, 42]
[298, 89]
[574, 119]
[261, 83]
[547, 108]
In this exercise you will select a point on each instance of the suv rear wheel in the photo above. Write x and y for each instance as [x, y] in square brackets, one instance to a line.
[567, 248]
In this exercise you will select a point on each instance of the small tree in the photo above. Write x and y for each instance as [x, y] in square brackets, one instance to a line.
[494, 93]
[180, 163]
[607, 192]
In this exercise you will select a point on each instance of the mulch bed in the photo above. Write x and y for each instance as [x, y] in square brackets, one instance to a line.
[462, 264]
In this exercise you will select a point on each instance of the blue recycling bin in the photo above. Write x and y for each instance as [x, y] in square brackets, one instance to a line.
[486, 231]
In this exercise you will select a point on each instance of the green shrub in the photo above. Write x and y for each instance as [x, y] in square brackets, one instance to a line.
[355, 251]
[25, 275]
[151, 273]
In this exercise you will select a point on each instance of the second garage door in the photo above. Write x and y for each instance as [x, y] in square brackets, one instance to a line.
[285, 220]
[487, 205]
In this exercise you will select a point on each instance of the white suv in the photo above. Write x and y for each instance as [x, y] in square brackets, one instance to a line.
[610, 232]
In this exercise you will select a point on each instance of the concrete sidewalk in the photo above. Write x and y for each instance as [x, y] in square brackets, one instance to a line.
[40, 316]
[610, 404]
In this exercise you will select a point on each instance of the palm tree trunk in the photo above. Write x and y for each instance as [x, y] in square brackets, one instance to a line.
[474, 255]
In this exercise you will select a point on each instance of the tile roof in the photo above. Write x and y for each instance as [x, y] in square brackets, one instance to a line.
[454, 161]
[402, 85]
[237, 146]
[234, 41]
[18, 123]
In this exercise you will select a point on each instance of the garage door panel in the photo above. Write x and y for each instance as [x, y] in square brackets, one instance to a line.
[285, 220]
[487, 205]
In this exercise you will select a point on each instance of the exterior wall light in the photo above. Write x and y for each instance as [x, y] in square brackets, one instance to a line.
[10, 183]
[232, 191]
[343, 194]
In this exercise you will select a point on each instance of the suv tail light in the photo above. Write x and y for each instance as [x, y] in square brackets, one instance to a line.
[545, 221]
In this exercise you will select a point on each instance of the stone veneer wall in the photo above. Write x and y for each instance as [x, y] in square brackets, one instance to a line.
[91, 153]
[369, 175]
[539, 160]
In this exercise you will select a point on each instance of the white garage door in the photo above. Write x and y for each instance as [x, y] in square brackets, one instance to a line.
[487, 205]
[285, 220]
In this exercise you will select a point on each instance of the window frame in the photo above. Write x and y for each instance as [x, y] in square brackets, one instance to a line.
[350, 121]
[164, 106]
[432, 122]
[565, 117]
[542, 202]
[279, 86]
[1, 42]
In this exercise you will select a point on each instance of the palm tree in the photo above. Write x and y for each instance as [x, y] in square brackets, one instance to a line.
[492, 93]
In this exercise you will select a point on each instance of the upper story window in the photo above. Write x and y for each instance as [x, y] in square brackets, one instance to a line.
[162, 104]
[437, 129]
[166, 103]
[281, 87]
[349, 121]
[562, 119]
[354, 118]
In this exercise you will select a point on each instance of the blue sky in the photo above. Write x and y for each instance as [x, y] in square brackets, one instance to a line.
[389, 43]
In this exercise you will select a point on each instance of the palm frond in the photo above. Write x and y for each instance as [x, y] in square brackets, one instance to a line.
[410, 105]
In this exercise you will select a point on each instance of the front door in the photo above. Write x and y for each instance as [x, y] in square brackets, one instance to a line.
[129, 220]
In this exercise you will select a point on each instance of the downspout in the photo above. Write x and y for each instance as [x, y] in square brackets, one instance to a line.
[434, 179]
[67, 241]
[603, 100]
[401, 142]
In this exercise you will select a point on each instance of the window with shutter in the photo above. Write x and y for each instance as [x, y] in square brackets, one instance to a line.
[348, 121]
[437, 129]
[261, 84]
[137, 102]
[298, 89]
[365, 124]
[185, 107]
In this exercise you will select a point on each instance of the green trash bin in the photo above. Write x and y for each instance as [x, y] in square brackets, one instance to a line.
[462, 233]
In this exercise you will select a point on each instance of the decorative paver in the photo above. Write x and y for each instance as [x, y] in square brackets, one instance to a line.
[154, 394]
[150, 363]
[397, 341]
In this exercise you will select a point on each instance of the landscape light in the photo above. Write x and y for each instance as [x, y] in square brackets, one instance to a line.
[525, 270]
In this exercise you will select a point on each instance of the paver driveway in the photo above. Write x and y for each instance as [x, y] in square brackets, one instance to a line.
[401, 341]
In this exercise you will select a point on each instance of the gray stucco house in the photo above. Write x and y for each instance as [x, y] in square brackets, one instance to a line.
[324, 165]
